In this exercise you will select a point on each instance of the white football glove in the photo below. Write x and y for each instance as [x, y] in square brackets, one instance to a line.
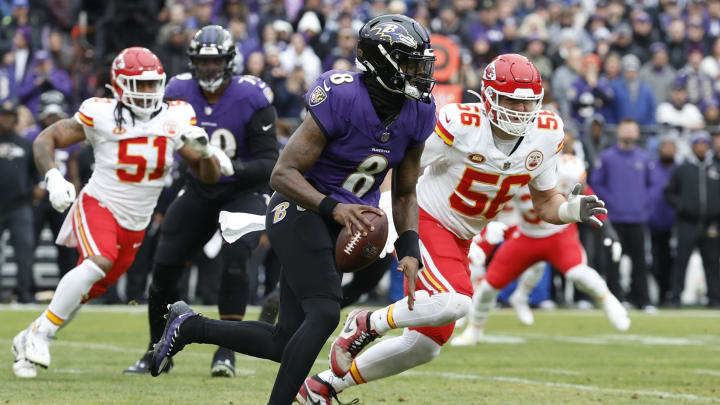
[581, 208]
[226, 165]
[61, 191]
[385, 204]
[495, 232]
[196, 139]
[615, 249]
[477, 259]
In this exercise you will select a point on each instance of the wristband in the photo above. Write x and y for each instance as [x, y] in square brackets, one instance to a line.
[564, 213]
[408, 244]
[326, 207]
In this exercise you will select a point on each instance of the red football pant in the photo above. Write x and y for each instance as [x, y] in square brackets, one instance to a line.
[562, 250]
[99, 233]
[445, 268]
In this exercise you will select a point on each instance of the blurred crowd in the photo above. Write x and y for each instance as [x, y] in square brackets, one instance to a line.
[652, 63]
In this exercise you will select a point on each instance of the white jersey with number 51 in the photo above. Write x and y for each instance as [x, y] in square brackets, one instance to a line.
[468, 180]
[131, 160]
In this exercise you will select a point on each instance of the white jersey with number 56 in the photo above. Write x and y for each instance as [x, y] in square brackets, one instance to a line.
[131, 160]
[468, 180]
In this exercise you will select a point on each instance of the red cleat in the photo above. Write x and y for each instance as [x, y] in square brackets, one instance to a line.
[356, 334]
[315, 391]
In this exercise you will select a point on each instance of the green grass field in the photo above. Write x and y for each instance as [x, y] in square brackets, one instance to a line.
[568, 357]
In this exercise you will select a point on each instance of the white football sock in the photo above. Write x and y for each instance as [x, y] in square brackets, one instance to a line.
[69, 293]
[483, 302]
[436, 310]
[588, 280]
[386, 358]
[530, 278]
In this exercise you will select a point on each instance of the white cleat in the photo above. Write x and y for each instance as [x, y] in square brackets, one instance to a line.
[616, 313]
[462, 321]
[24, 369]
[37, 348]
[471, 336]
[519, 301]
[21, 367]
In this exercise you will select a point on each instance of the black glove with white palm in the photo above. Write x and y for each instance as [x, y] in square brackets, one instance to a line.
[582, 208]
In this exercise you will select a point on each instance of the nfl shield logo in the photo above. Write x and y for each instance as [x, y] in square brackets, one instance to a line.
[385, 136]
[506, 165]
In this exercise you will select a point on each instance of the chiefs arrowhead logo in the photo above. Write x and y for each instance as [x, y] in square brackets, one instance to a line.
[489, 73]
[533, 160]
[476, 158]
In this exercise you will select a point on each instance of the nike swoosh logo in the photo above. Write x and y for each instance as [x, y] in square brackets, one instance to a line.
[312, 397]
[137, 245]
[266, 127]
[350, 329]
[447, 120]
[326, 86]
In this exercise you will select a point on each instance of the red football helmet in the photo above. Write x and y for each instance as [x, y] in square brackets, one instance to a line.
[131, 67]
[514, 76]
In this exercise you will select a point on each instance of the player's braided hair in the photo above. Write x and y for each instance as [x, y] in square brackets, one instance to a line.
[120, 120]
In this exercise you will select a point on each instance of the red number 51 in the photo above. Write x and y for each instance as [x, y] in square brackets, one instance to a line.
[139, 161]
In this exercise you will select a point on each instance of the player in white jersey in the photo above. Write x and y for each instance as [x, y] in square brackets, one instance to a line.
[481, 155]
[533, 242]
[134, 138]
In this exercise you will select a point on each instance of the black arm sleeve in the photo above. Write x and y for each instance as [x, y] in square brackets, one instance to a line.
[263, 146]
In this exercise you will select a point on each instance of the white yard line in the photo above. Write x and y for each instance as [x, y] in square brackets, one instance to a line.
[561, 371]
[446, 375]
[525, 381]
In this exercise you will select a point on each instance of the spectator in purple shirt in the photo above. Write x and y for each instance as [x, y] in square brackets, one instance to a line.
[662, 215]
[43, 76]
[622, 179]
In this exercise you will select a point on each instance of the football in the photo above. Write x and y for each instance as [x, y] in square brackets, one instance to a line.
[354, 252]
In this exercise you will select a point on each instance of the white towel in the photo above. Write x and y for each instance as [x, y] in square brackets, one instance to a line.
[233, 225]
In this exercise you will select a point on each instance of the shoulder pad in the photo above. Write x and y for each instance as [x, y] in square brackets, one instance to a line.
[256, 89]
[457, 120]
[548, 124]
[183, 110]
[92, 108]
[182, 76]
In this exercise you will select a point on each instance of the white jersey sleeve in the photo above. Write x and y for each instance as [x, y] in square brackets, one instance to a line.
[570, 170]
[549, 125]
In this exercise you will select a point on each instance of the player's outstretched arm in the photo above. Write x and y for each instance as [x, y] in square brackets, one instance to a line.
[207, 169]
[61, 134]
[299, 155]
[551, 206]
[405, 216]
[200, 156]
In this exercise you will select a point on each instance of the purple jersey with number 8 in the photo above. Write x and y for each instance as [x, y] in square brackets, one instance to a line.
[360, 149]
